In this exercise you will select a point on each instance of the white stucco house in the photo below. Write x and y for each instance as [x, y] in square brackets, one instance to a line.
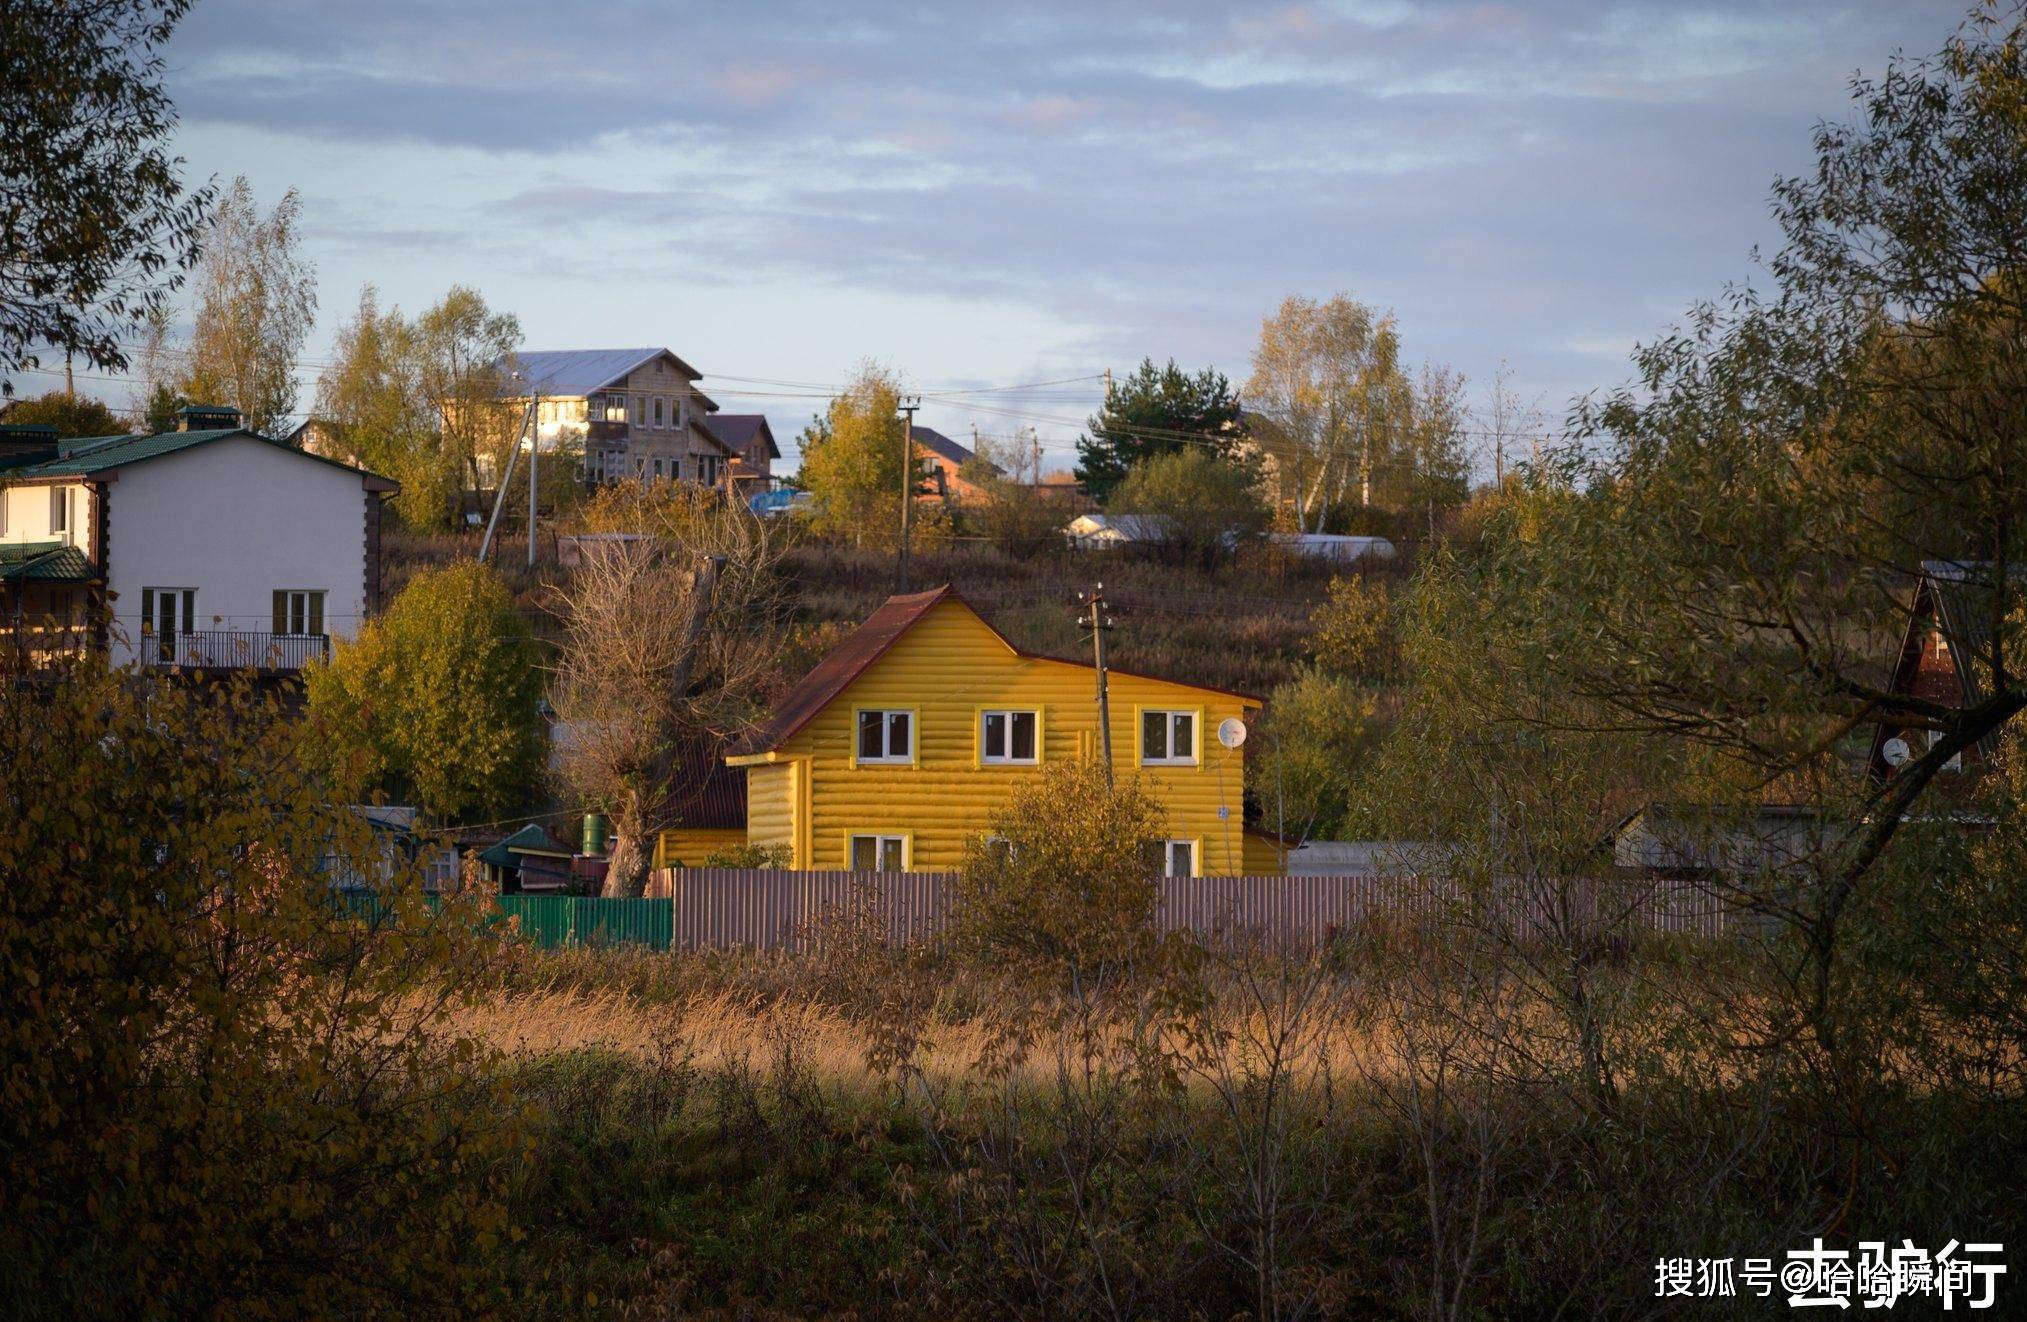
[210, 547]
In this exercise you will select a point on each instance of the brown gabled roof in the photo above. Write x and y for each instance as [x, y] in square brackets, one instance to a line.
[870, 641]
[846, 662]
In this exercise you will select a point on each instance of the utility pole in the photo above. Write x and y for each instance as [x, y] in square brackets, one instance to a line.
[534, 448]
[1099, 624]
[908, 406]
[500, 496]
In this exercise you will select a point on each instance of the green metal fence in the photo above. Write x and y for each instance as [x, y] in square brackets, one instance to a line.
[552, 922]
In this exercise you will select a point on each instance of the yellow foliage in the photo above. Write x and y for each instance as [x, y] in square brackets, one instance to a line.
[220, 1091]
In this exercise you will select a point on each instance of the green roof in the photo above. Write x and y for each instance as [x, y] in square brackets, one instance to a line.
[83, 456]
[45, 562]
[530, 839]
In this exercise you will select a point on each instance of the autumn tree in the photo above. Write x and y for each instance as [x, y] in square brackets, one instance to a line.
[1205, 505]
[1014, 510]
[853, 461]
[1066, 877]
[463, 346]
[71, 415]
[437, 701]
[670, 637]
[370, 392]
[208, 1065]
[1317, 728]
[1729, 559]
[1157, 411]
[96, 230]
[256, 303]
[1437, 474]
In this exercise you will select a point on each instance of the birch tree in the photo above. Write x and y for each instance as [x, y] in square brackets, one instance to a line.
[256, 303]
[1330, 401]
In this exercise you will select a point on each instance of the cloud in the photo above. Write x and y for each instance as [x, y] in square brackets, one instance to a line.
[1111, 178]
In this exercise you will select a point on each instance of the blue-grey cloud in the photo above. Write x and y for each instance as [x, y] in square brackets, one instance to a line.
[1536, 181]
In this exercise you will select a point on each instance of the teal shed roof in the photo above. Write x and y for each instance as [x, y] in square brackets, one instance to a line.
[45, 562]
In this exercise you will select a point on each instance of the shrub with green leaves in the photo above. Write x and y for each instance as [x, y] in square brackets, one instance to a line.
[437, 700]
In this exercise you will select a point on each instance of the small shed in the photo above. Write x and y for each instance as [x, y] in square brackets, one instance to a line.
[530, 861]
[1109, 532]
[1332, 546]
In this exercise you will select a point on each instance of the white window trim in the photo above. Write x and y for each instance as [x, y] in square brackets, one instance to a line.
[886, 736]
[906, 839]
[289, 599]
[1007, 760]
[1190, 759]
[1196, 858]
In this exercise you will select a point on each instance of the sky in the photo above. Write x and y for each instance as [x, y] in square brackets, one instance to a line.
[1018, 194]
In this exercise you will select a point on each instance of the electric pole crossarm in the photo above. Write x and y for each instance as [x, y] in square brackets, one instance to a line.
[1099, 624]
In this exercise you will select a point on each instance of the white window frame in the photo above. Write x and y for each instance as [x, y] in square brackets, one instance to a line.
[659, 424]
[710, 467]
[1171, 758]
[296, 606]
[1005, 758]
[1168, 848]
[901, 842]
[887, 758]
[640, 410]
[59, 511]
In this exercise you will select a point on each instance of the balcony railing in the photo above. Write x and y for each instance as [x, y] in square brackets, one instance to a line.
[225, 649]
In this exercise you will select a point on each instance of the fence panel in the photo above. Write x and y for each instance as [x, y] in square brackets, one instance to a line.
[768, 909]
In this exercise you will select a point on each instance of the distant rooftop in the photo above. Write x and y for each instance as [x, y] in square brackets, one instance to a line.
[572, 372]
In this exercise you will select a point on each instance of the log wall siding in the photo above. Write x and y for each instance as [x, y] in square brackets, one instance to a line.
[718, 908]
[948, 670]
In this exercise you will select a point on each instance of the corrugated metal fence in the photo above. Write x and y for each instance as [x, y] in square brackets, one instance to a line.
[717, 908]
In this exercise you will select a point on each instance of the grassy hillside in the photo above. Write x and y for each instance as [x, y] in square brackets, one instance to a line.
[1243, 627]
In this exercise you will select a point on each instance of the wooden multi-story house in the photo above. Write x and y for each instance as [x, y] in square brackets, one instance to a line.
[903, 744]
[637, 412]
[752, 440]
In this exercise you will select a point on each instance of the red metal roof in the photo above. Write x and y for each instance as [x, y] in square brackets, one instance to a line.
[704, 792]
[870, 641]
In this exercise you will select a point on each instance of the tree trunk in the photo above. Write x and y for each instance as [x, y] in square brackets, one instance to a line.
[626, 872]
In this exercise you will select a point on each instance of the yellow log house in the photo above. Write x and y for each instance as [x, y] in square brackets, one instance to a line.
[902, 745]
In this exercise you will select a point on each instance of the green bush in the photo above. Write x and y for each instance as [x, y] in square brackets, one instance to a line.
[437, 700]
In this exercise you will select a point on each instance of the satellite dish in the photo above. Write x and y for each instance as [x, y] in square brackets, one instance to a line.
[1896, 752]
[1231, 732]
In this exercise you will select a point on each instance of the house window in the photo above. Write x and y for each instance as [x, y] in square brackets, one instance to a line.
[59, 509]
[1178, 858]
[879, 853]
[709, 468]
[298, 611]
[640, 467]
[886, 736]
[615, 408]
[1168, 738]
[640, 410]
[658, 410]
[658, 470]
[1010, 738]
[165, 613]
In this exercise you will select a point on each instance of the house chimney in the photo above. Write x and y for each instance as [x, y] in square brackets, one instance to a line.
[206, 417]
[26, 444]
